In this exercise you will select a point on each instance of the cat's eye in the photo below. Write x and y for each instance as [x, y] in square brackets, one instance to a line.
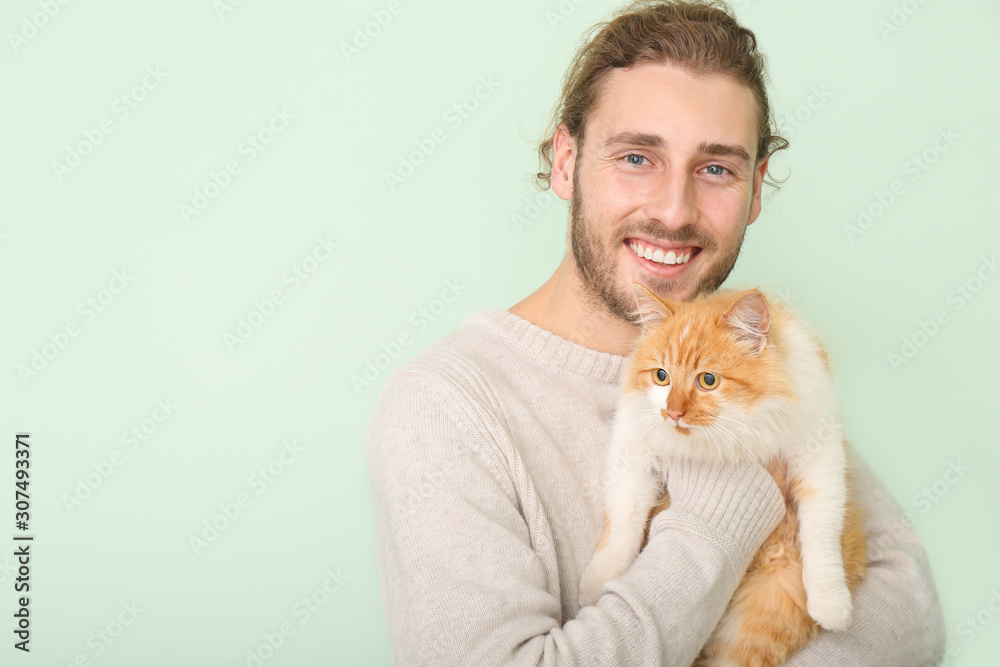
[661, 377]
[708, 380]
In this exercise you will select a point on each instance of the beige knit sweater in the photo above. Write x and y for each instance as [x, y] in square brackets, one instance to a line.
[486, 453]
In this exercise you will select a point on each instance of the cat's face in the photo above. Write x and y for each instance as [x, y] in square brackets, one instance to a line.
[707, 368]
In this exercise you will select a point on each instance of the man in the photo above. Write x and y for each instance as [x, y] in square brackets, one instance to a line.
[486, 451]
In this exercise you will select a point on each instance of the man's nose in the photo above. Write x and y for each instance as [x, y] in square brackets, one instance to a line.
[672, 200]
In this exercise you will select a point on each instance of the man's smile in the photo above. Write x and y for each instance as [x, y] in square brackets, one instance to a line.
[666, 260]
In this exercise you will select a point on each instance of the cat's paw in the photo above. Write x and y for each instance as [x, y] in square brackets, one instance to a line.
[599, 571]
[589, 588]
[590, 584]
[830, 607]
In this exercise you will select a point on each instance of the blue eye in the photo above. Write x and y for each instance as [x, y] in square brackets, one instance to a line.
[720, 169]
[634, 158]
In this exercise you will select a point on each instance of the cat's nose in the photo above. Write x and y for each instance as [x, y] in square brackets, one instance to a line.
[675, 414]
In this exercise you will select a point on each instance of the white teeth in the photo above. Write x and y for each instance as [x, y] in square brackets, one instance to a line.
[670, 257]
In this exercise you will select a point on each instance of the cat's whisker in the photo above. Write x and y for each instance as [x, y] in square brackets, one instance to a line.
[734, 420]
[732, 450]
[715, 441]
[750, 452]
[742, 444]
[651, 427]
[745, 425]
[719, 439]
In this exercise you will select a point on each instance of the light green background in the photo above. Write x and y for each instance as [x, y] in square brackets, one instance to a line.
[884, 98]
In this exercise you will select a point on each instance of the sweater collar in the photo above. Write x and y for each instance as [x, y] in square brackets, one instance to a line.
[553, 349]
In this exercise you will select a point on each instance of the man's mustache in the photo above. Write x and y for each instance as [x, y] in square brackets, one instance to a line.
[688, 234]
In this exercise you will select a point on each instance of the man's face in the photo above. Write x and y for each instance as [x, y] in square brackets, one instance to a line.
[666, 164]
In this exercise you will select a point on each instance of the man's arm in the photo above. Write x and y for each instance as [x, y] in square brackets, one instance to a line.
[465, 581]
[897, 616]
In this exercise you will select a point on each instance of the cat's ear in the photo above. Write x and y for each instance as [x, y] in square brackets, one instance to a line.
[750, 319]
[650, 309]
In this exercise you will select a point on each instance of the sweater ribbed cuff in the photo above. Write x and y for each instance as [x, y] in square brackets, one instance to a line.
[738, 501]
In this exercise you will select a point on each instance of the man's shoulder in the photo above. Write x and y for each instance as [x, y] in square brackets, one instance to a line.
[446, 391]
[472, 348]
[459, 365]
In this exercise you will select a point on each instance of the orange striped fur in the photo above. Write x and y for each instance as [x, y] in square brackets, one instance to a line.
[767, 619]
[769, 606]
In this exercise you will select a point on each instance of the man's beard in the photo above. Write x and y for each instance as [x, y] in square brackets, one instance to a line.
[597, 265]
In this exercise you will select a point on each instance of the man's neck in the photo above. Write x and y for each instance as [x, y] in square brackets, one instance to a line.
[560, 306]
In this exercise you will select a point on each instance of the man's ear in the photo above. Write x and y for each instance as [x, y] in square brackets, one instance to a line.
[758, 183]
[563, 161]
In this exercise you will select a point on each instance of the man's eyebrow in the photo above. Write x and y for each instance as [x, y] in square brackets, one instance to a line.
[635, 139]
[725, 150]
[656, 141]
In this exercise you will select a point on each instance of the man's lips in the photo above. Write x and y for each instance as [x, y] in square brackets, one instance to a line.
[666, 260]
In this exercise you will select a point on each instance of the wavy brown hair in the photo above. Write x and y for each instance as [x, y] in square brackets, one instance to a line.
[700, 36]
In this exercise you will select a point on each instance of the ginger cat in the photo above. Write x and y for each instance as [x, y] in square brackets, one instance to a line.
[731, 375]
